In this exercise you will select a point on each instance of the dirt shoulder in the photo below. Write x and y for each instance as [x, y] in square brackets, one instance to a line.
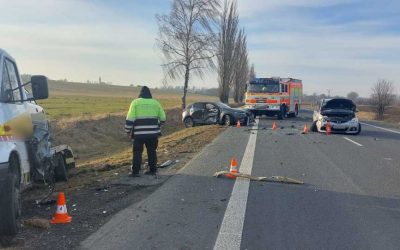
[98, 189]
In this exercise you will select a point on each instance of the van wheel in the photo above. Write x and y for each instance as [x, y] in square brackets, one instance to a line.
[60, 170]
[10, 205]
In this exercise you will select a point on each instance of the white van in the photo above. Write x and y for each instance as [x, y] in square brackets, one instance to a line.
[25, 152]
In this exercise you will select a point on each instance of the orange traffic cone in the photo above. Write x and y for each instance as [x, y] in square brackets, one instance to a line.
[305, 129]
[274, 126]
[238, 124]
[328, 128]
[233, 169]
[61, 216]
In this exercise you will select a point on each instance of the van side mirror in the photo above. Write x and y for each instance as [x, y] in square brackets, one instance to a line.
[40, 89]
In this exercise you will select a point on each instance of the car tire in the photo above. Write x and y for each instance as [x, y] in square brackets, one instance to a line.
[189, 123]
[227, 120]
[10, 205]
[359, 129]
[314, 127]
[60, 170]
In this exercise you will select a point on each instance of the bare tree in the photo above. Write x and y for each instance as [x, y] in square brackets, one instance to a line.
[187, 40]
[241, 69]
[229, 22]
[252, 73]
[382, 96]
[353, 96]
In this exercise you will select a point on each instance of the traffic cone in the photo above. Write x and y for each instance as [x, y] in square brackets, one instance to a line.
[61, 216]
[233, 169]
[238, 124]
[274, 126]
[328, 128]
[305, 129]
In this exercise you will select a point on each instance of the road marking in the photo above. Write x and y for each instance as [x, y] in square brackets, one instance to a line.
[230, 233]
[350, 140]
[386, 129]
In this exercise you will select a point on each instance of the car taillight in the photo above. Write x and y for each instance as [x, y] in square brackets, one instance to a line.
[251, 101]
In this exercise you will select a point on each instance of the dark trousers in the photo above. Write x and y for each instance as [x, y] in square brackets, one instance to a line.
[151, 146]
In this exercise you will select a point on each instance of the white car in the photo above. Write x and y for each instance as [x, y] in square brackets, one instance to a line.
[340, 113]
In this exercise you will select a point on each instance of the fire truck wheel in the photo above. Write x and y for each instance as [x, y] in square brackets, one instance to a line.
[10, 208]
[60, 170]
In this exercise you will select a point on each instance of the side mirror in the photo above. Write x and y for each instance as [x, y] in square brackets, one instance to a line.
[40, 89]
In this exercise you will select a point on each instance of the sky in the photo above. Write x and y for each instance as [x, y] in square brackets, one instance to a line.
[332, 45]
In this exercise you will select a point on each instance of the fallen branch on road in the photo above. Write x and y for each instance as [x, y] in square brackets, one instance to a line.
[281, 179]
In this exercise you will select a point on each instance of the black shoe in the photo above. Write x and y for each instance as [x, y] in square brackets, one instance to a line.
[134, 175]
[149, 172]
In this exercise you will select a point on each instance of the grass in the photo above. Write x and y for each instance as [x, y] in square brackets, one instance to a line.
[78, 99]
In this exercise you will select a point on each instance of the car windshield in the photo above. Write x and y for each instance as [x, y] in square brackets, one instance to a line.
[264, 88]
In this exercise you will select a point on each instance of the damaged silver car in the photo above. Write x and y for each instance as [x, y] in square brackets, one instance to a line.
[340, 113]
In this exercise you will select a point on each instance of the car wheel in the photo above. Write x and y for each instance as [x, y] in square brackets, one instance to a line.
[60, 170]
[359, 129]
[189, 123]
[314, 127]
[10, 208]
[227, 120]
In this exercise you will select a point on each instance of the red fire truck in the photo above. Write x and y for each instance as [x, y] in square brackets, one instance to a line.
[274, 96]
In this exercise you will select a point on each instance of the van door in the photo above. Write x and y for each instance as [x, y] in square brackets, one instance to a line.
[14, 114]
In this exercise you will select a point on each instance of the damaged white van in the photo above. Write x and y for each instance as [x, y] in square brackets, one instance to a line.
[26, 154]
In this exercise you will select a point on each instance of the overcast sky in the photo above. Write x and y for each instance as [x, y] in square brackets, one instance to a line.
[340, 45]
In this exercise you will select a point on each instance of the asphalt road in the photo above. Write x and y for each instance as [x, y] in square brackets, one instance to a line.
[350, 199]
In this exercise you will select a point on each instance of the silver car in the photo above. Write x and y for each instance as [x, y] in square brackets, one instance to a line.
[340, 113]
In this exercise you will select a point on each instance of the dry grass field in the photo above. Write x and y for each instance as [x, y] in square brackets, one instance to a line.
[71, 100]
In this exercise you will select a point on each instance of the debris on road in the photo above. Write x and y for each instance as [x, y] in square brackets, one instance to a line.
[166, 164]
[281, 179]
[37, 222]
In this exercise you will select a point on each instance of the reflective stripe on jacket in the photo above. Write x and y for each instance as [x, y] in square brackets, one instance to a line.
[144, 117]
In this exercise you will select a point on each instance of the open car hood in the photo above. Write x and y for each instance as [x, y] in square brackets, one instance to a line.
[339, 104]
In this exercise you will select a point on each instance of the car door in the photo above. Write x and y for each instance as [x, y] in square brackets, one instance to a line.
[197, 112]
[211, 113]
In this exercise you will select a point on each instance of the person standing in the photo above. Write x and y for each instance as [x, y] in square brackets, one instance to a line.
[143, 122]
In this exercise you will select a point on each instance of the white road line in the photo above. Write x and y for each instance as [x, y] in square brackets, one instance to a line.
[386, 129]
[230, 233]
[350, 140]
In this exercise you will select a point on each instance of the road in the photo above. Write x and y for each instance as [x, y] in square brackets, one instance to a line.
[350, 199]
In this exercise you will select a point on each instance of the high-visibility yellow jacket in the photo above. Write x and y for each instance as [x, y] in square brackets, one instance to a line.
[144, 118]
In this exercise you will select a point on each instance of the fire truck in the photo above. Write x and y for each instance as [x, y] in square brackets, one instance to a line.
[274, 96]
